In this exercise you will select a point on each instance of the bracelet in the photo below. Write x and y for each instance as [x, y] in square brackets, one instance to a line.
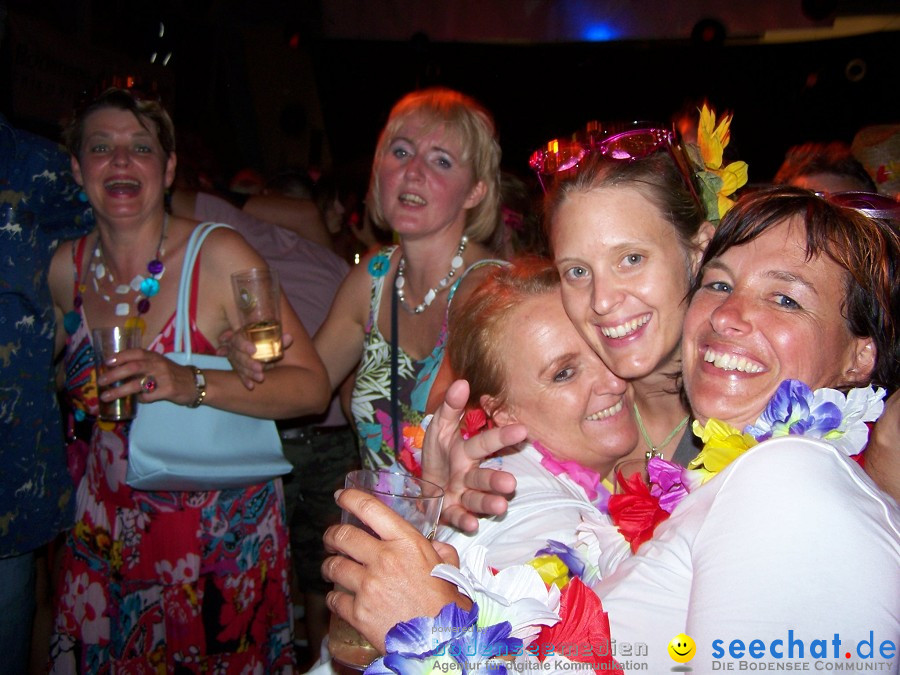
[200, 383]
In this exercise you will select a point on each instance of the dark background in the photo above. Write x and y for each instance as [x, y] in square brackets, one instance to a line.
[310, 82]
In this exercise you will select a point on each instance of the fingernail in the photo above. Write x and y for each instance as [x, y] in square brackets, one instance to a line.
[337, 493]
[112, 360]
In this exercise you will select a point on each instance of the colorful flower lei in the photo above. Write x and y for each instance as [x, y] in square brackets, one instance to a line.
[514, 615]
[717, 182]
[795, 409]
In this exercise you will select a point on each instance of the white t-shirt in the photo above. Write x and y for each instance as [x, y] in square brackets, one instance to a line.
[791, 541]
[544, 507]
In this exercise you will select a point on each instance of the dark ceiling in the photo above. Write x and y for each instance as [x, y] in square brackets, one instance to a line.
[544, 67]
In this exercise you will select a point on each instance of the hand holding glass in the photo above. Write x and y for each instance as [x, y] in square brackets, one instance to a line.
[258, 297]
[419, 503]
[107, 342]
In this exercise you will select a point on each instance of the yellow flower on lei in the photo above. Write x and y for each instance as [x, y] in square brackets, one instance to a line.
[551, 569]
[718, 182]
[722, 444]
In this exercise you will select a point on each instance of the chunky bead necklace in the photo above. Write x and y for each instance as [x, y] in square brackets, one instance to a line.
[145, 287]
[400, 280]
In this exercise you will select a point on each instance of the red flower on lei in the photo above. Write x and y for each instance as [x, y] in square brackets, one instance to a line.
[582, 633]
[474, 422]
[636, 512]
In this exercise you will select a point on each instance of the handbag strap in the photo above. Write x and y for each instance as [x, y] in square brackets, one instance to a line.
[182, 309]
[395, 384]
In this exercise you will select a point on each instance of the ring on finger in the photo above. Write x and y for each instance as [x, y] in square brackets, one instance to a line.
[148, 384]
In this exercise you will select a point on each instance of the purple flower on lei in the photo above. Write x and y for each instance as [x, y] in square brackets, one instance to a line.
[669, 483]
[413, 647]
[423, 635]
[793, 411]
[569, 557]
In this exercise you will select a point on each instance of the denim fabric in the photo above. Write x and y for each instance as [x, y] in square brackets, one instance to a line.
[16, 611]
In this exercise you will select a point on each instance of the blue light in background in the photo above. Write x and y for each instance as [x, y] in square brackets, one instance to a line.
[598, 32]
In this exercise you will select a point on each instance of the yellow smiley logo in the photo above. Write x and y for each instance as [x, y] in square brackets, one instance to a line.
[682, 648]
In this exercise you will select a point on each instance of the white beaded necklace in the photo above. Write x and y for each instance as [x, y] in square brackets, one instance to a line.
[400, 280]
[145, 286]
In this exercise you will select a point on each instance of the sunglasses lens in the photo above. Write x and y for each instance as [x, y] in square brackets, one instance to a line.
[871, 204]
[634, 144]
[559, 156]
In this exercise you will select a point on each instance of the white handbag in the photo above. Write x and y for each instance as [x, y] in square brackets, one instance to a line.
[175, 447]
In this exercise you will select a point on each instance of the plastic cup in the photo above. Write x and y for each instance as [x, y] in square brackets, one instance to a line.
[419, 503]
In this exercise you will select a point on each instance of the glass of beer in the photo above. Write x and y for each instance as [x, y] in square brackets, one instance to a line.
[419, 503]
[109, 341]
[258, 297]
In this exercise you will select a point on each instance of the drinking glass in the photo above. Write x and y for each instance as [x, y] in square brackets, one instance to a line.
[419, 503]
[629, 468]
[258, 298]
[109, 341]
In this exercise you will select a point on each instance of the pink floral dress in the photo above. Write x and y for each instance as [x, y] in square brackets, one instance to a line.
[155, 582]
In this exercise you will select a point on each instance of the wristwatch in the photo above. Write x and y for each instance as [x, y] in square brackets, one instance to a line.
[200, 383]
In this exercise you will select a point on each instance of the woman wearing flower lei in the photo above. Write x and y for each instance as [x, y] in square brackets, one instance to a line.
[791, 535]
[627, 232]
[524, 361]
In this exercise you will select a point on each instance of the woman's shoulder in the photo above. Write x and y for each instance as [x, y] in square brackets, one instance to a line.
[61, 276]
[223, 248]
[794, 470]
[353, 298]
[791, 454]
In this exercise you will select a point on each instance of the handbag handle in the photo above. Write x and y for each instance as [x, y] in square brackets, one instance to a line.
[182, 309]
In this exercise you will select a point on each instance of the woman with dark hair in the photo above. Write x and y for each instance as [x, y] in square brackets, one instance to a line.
[154, 581]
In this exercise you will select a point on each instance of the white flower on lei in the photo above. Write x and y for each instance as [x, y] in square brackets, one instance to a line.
[826, 414]
[516, 594]
[859, 406]
[601, 542]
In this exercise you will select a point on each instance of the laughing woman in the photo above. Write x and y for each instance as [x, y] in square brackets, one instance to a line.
[163, 581]
[525, 362]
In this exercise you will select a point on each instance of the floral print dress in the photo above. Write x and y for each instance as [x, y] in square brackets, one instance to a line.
[371, 399]
[155, 582]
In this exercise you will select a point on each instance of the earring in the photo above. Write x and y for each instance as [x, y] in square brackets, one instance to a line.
[82, 196]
